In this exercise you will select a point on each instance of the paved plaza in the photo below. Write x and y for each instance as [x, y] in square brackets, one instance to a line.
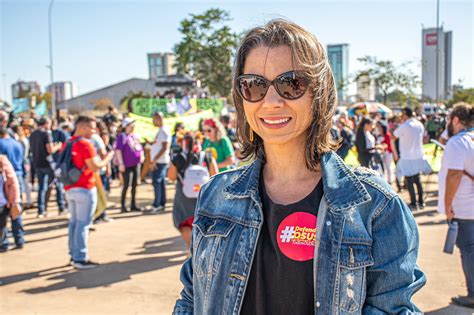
[140, 256]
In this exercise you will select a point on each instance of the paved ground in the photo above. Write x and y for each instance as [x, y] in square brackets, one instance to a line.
[140, 257]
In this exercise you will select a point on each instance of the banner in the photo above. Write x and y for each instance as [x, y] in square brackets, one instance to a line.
[41, 109]
[146, 107]
[20, 105]
[145, 130]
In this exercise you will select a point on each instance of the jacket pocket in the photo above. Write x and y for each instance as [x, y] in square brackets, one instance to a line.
[353, 260]
[210, 242]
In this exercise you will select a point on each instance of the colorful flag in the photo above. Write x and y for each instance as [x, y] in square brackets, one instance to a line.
[21, 105]
[41, 109]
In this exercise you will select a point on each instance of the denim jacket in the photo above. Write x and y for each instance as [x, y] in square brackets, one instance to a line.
[365, 252]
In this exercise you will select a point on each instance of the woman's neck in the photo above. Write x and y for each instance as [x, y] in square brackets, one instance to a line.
[286, 163]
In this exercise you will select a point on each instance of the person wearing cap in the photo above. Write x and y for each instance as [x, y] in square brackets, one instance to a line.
[42, 146]
[129, 153]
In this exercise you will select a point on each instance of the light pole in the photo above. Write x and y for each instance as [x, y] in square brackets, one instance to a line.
[437, 51]
[51, 69]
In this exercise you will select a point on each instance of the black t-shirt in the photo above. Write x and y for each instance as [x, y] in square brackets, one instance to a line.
[38, 140]
[281, 279]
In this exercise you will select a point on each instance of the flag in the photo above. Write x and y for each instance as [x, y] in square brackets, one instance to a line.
[183, 105]
[20, 105]
[41, 109]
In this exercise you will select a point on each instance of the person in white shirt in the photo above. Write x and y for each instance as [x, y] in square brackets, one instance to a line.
[160, 160]
[456, 189]
[411, 162]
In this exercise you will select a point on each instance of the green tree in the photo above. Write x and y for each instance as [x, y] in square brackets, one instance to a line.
[462, 95]
[388, 77]
[206, 50]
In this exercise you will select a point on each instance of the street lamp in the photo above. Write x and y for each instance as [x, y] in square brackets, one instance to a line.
[51, 72]
[437, 51]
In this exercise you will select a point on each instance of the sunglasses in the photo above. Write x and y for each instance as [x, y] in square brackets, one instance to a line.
[290, 85]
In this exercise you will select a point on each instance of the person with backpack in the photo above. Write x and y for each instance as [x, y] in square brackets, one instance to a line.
[78, 163]
[192, 167]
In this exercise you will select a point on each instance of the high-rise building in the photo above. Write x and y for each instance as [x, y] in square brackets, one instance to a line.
[367, 91]
[433, 40]
[339, 60]
[161, 64]
[22, 89]
[62, 90]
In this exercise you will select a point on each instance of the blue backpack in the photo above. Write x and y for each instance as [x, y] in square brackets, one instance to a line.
[68, 173]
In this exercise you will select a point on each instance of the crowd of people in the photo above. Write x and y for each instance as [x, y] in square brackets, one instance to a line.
[107, 151]
[296, 223]
[382, 142]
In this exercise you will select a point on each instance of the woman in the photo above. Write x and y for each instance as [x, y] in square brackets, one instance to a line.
[387, 158]
[218, 143]
[25, 142]
[347, 138]
[129, 155]
[183, 207]
[365, 141]
[10, 205]
[296, 231]
[178, 128]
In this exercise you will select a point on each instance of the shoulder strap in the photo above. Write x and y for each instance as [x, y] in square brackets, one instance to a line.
[202, 155]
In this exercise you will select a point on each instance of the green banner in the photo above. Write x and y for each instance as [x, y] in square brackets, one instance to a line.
[146, 107]
[145, 130]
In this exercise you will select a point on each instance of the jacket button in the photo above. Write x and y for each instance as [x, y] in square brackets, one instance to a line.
[328, 223]
[318, 304]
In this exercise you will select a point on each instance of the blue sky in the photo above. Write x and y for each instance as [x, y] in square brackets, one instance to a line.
[101, 42]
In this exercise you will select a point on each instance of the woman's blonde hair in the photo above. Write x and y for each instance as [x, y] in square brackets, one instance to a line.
[309, 56]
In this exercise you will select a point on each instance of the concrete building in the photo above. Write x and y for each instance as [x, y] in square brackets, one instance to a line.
[432, 40]
[367, 91]
[161, 64]
[338, 55]
[114, 94]
[21, 89]
[62, 90]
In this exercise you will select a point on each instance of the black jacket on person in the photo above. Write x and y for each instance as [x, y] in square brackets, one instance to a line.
[363, 155]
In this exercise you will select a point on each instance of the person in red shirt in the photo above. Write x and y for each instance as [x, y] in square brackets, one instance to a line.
[82, 196]
[386, 142]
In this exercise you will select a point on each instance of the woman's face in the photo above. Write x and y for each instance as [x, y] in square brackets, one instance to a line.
[380, 129]
[210, 133]
[368, 126]
[129, 129]
[275, 119]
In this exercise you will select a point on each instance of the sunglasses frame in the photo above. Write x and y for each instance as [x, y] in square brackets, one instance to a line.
[269, 83]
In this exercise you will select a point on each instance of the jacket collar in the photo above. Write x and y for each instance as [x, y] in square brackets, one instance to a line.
[342, 189]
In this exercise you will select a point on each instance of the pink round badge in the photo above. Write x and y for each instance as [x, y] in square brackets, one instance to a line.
[296, 236]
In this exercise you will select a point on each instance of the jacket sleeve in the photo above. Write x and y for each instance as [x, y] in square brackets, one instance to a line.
[185, 304]
[395, 277]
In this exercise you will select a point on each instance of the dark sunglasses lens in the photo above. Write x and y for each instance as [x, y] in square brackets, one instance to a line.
[252, 88]
[291, 85]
